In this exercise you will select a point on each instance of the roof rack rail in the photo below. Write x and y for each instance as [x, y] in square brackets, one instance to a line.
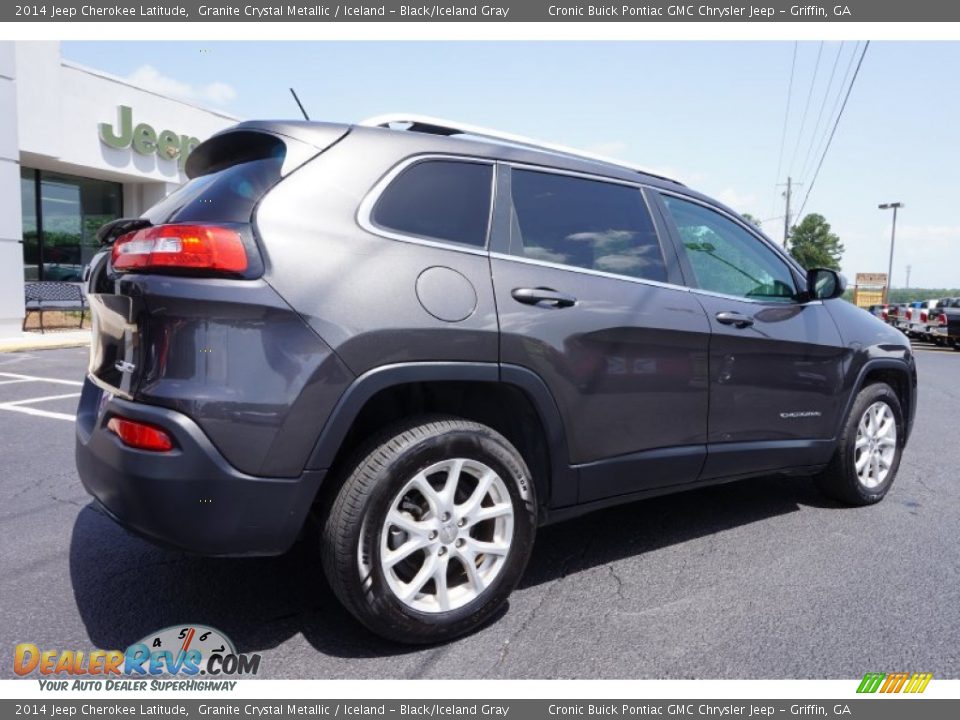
[439, 126]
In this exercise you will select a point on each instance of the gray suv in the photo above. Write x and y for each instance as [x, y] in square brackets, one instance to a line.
[434, 338]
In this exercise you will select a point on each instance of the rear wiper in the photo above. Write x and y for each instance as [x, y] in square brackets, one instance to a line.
[121, 226]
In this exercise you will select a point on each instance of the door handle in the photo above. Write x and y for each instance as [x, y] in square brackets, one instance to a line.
[734, 318]
[535, 296]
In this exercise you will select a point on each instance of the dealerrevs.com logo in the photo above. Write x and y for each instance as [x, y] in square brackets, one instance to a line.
[172, 659]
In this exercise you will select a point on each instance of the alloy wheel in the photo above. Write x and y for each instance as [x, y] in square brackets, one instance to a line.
[446, 535]
[876, 445]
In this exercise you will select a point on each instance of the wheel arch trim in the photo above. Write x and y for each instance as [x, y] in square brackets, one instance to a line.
[896, 365]
[559, 490]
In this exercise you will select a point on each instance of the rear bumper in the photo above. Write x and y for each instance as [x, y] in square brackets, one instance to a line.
[191, 497]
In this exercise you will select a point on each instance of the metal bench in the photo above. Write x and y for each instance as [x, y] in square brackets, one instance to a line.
[42, 296]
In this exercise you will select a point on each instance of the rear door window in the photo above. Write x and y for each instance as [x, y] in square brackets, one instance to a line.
[584, 223]
[446, 200]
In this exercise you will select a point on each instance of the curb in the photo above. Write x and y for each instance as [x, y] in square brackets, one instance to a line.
[25, 345]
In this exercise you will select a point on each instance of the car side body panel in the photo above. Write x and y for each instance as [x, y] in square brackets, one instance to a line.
[362, 291]
[871, 345]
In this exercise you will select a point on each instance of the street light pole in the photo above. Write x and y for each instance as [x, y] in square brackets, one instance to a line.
[893, 237]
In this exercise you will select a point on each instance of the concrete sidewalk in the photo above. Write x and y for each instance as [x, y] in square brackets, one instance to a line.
[44, 341]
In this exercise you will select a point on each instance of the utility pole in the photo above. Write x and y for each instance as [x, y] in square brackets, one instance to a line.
[909, 267]
[788, 194]
[893, 237]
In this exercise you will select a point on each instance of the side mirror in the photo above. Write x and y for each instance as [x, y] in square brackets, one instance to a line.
[825, 284]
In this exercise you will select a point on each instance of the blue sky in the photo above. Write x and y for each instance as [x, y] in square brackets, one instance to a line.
[709, 113]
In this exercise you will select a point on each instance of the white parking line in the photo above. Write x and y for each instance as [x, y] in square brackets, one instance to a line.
[16, 377]
[39, 413]
[19, 406]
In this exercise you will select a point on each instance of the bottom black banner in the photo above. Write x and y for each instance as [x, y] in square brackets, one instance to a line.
[879, 707]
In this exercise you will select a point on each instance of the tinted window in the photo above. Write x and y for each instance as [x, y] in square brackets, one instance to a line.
[227, 195]
[584, 223]
[726, 258]
[439, 199]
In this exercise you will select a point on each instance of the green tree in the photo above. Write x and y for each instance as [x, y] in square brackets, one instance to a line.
[751, 219]
[814, 245]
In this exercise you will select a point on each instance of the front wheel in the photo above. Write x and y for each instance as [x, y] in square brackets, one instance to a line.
[867, 457]
[431, 530]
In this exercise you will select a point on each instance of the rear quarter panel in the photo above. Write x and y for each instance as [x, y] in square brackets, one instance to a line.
[357, 289]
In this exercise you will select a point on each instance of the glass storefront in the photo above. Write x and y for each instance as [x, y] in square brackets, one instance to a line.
[61, 216]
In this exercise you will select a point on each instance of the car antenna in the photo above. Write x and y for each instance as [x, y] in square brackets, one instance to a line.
[299, 104]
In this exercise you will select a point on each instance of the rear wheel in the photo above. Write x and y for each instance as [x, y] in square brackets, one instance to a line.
[431, 530]
[868, 455]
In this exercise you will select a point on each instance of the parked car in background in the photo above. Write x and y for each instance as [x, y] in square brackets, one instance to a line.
[919, 319]
[435, 338]
[946, 330]
[880, 311]
[896, 316]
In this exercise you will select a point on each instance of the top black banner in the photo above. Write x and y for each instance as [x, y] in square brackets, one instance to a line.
[495, 11]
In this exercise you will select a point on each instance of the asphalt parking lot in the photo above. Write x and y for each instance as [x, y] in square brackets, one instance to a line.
[760, 579]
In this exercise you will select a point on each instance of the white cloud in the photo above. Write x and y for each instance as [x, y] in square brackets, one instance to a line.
[149, 78]
[741, 202]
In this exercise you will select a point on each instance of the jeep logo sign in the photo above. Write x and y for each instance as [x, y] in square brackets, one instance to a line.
[166, 144]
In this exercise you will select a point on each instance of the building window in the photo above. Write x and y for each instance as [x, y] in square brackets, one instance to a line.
[61, 216]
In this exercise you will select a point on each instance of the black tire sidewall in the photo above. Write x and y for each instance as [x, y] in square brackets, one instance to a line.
[379, 608]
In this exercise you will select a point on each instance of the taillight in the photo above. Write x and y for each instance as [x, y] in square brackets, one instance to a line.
[140, 435]
[196, 247]
[942, 319]
[923, 317]
[909, 314]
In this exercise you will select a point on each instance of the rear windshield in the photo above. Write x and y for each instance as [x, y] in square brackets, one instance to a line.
[228, 195]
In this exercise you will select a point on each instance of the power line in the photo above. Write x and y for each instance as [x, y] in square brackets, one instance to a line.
[806, 109]
[823, 105]
[786, 117]
[833, 132]
[839, 96]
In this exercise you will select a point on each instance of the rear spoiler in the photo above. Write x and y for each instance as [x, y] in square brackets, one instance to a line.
[297, 141]
[121, 226]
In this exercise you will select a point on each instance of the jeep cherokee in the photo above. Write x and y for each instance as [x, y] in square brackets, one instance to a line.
[435, 338]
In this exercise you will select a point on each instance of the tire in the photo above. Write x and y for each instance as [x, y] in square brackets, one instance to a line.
[841, 479]
[393, 476]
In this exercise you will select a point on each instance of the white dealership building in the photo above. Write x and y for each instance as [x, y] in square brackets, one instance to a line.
[78, 147]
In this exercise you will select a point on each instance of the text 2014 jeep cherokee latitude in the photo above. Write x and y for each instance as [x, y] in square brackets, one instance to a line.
[438, 343]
